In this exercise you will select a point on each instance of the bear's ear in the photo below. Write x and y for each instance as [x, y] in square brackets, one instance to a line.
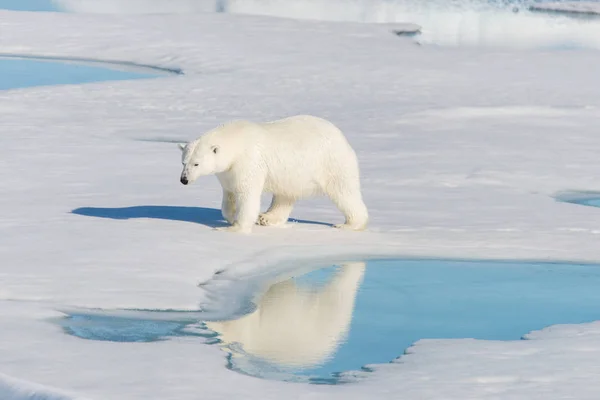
[181, 146]
[215, 149]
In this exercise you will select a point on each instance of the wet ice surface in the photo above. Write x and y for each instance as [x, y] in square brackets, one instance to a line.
[19, 73]
[125, 329]
[316, 327]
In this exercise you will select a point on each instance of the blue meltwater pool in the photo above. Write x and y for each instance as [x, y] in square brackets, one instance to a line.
[20, 73]
[28, 5]
[321, 326]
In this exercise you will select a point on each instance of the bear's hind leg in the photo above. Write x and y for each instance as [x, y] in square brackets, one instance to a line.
[279, 211]
[349, 201]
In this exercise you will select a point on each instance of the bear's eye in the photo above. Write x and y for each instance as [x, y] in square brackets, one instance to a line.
[195, 165]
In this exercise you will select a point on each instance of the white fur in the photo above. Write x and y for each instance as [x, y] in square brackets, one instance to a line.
[292, 158]
[297, 326]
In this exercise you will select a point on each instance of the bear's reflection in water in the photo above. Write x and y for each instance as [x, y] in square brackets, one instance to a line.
[292, 334]
[295, 327]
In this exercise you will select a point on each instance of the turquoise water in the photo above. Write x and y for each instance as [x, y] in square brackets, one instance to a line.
[585, 200]
[591, 202]
[28, 5]
[20, 73]
[400, 302]
[317, 326]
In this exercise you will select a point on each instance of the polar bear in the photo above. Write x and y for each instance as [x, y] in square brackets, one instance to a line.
[295, 325]
[292, 158]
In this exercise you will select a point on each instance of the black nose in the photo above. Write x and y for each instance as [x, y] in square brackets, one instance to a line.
[184, 180]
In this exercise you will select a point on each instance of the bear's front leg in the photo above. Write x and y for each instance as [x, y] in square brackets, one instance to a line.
[228, 206]
[248, 208]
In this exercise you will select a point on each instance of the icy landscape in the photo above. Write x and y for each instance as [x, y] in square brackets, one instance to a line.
[591, 8]
[477, 139]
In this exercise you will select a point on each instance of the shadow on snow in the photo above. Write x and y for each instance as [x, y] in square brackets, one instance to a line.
[201, 215]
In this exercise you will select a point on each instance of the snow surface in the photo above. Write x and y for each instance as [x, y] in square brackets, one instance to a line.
[461, 149]
[11, 388]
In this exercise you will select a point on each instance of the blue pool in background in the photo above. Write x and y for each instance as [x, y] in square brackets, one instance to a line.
[317, 326]
[595, 202]
[20, 73]
[591, 201]
[582, 198]
[28, 5]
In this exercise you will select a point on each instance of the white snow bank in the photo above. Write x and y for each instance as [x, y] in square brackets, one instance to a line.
[556, 363]
[465, 23]
[503, 28]
[576, 7]
[17, 389]
[372, 11]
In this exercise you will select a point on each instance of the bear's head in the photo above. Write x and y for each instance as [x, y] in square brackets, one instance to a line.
[202, 157]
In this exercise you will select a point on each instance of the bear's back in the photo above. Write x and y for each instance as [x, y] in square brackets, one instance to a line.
[303, 130]
[301, 153]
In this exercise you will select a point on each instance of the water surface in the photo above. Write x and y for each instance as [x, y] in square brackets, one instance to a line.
[316, 327]
[20, 73]
[28, 5]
